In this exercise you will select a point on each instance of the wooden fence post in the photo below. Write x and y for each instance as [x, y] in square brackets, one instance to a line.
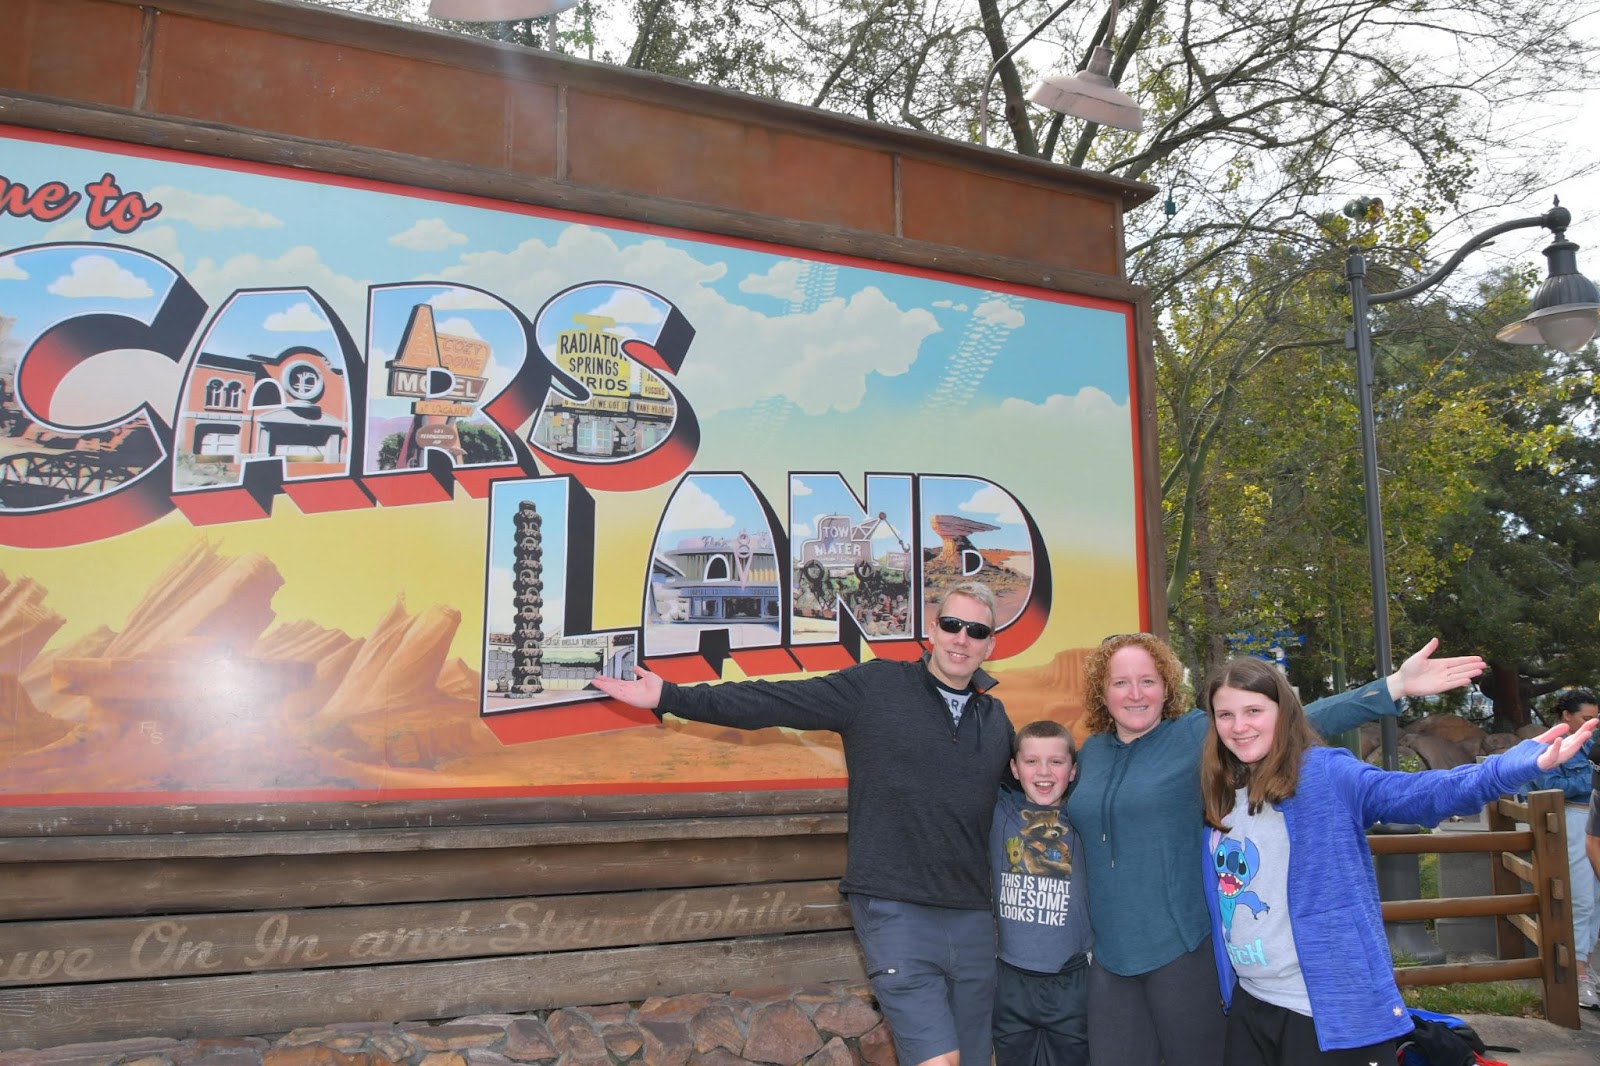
[1547, 819]
[1508, 939]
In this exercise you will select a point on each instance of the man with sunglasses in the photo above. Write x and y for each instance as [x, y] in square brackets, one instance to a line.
[926, 746]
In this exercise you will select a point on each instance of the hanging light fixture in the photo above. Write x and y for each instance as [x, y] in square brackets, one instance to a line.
[1565, 312]
[1090, 94]
[496, 10]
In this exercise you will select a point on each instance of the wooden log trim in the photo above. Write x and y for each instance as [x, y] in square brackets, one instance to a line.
[229, 845]
[189, 135]
[268, 883]
[1528, 924]
[275, 1003]
[1450, 843]
[262, 816]
[1416, 910]
[1512, 808]
[515, 62]
[117, 949]
[1519, 866]
[1468, 972]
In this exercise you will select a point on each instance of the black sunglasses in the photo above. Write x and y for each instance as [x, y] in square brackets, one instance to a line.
[975, 630]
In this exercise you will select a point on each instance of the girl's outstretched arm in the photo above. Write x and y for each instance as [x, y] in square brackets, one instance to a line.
[1429, 797]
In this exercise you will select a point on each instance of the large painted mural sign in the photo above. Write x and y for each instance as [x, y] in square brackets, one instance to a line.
[318, 488]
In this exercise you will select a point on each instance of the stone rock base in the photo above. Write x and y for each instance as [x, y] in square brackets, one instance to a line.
[813, 1025]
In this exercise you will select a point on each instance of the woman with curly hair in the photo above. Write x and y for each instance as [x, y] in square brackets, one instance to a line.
[1137, 807]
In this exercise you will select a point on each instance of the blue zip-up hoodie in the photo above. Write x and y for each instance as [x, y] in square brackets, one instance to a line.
[1333, 891]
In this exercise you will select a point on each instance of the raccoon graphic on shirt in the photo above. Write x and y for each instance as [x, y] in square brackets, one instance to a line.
[1040, 910]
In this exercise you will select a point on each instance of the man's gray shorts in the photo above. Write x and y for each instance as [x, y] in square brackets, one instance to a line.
[932, 971]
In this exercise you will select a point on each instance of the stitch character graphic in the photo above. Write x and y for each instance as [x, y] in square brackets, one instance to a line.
[1044, 847]
[1237, 866]
[1014, 855]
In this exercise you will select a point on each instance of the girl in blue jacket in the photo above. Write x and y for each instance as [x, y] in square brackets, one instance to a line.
[1298, 937]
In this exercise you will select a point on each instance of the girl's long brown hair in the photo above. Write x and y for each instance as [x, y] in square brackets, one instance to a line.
[1275, 777]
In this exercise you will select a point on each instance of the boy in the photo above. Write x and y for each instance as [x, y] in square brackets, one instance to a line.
[1041, 999]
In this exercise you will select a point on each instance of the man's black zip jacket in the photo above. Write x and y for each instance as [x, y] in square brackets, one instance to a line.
[922, 789]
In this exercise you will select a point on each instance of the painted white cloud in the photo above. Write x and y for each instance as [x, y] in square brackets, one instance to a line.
[159, 241]
[428, 235]
[464, 299]
[951, 305]
[208, 211]
[555, 609]
[10, 271]
[501, 596]
[823, 359]
[632, 307]
[999, 313]
[459, 327]
[298, 318]
[782, 281]
[534, 271]
[692, 508]
[886, 534]
[994, 503]
[826, 356]
[298, 267]
[798, 487]
[800, 530]
[100, 277]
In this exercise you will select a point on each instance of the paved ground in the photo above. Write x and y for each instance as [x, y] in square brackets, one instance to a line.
[1540, 1043]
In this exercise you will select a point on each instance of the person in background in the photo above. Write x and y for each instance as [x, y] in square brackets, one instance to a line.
[1041, 1003]
[926, 747]
[1292, 895]
[1574, 778]
[1591, 836]
[1152, 993]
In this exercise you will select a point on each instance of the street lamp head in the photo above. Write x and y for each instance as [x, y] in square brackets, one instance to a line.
[1565, 313]
[1091, 95]
[496, 10]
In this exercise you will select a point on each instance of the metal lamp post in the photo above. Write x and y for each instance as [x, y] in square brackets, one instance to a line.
[1565, 314]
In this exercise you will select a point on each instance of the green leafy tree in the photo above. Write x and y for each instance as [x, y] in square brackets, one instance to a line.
[389, 451]
[483, 444]
[1527, 591]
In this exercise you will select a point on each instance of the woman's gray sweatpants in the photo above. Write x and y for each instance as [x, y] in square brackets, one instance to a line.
[1174, 1012]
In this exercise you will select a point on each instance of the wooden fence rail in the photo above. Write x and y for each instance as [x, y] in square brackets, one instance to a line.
[1531, 901]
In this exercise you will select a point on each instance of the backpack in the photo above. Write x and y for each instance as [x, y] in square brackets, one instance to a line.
[1442, 1040]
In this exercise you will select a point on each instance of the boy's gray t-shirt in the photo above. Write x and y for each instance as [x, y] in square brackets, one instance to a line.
[1039, 885]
